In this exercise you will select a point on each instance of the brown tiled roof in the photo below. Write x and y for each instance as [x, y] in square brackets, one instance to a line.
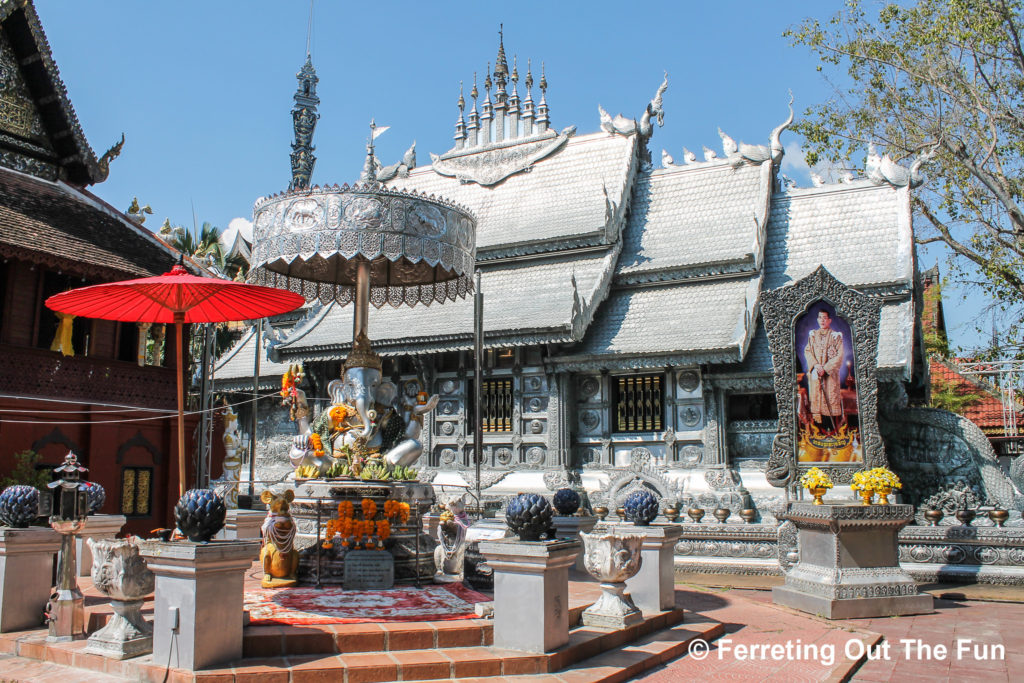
[987, 411]
[70, 229]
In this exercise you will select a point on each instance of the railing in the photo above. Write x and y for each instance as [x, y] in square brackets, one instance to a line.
[46, 374]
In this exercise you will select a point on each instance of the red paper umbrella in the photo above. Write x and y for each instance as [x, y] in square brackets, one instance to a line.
[175, 297]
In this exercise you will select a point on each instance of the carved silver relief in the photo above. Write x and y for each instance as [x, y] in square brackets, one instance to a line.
[448, 386]
[691, 455]
[503, 456]
[535, 455]
[448, 428]
[533, 384]
[490, 165]
[536, 426]
[535, 404]
[690, 416]
[689, 381]
[448, 407]
[447, 456]
[588, 387]
[590, 420]
[779, 309]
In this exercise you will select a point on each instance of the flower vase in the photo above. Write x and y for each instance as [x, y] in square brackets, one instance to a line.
[866, 496]
[817, 492]
[122, 575]
[883, 495]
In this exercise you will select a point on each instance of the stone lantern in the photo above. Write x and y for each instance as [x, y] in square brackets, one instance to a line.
[68, 502]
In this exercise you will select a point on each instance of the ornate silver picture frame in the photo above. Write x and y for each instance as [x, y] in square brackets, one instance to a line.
[781, 309]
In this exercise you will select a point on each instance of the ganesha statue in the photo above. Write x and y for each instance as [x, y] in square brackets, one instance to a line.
[367, 423]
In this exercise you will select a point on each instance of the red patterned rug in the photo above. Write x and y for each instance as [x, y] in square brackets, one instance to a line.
[269, 606]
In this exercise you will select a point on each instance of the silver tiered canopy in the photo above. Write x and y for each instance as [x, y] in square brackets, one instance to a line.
[319, 241]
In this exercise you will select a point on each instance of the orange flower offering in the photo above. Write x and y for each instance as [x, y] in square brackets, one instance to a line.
[337, 414]
[369, 508]
[394, 508]
[383, 529]
[318, 444]
[346, 509]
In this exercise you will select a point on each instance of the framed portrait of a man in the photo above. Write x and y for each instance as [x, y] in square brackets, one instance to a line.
[828, 428]
[823, 337]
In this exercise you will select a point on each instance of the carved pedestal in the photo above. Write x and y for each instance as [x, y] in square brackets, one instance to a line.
[242, 525]
[848, 563]
[531, 592]
[121, 574]
[98, 528]
[26, 573]
[570, 527]
[653, 588]
[197, 613]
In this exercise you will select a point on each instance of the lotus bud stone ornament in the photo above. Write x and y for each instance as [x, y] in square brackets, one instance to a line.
[19, 506]
[97, 496]
[641, 507]
[567, 501]
[200, 514]
[529, 515]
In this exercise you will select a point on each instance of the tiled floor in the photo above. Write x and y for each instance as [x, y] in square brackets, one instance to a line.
[751, 619]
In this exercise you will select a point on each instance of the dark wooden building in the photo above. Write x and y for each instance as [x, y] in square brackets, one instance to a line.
[113, 409]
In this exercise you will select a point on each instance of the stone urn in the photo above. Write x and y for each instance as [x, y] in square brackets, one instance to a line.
[122, 575]
[612, 560]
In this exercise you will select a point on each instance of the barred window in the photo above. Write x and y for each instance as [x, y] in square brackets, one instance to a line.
[136, 492]
[495, 403]
[637, 403]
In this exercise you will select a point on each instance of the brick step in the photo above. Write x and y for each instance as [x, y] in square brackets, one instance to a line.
[24, 670]
[283, 641]
[476, 662]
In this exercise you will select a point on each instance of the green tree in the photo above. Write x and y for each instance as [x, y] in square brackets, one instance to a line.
[956, 398]
[26, 472]
[943, 79]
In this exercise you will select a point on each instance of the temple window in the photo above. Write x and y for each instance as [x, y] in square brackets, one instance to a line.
[136, 491]
[637, 403]
[752, 407]
[495, 404]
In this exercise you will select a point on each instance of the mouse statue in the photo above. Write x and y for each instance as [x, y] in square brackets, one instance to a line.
[279, 557]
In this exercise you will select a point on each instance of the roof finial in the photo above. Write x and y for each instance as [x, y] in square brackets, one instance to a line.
[460, 123]
[462, 100]
[515, 69]
[500, 64]
[369, 174]
[529, 74]
[543, 80]
[474, 93]
[304, 118]
[487, 80]
[542, 107]
[309, 30]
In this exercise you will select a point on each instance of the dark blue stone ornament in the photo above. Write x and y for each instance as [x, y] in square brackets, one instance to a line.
[19, 506]
[641, 507]
[567, 501]
[97, 496]
[200, 514]
[528, 515]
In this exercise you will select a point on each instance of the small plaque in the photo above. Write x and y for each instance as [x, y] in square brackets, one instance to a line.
[367, 570]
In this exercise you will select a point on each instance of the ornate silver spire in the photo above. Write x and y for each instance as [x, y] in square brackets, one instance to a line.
[304, 118]
[488, 109]
[528, 102]
[500, 95]
[460, 124]
[473, 127]
[542, 108]
[513, 101]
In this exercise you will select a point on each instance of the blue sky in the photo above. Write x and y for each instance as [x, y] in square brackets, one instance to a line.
[203, 90]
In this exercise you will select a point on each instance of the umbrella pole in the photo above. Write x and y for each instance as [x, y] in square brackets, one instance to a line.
[180, 351]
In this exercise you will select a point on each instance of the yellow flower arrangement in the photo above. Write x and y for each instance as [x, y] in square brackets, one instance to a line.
[815, 478]
[876, 480]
